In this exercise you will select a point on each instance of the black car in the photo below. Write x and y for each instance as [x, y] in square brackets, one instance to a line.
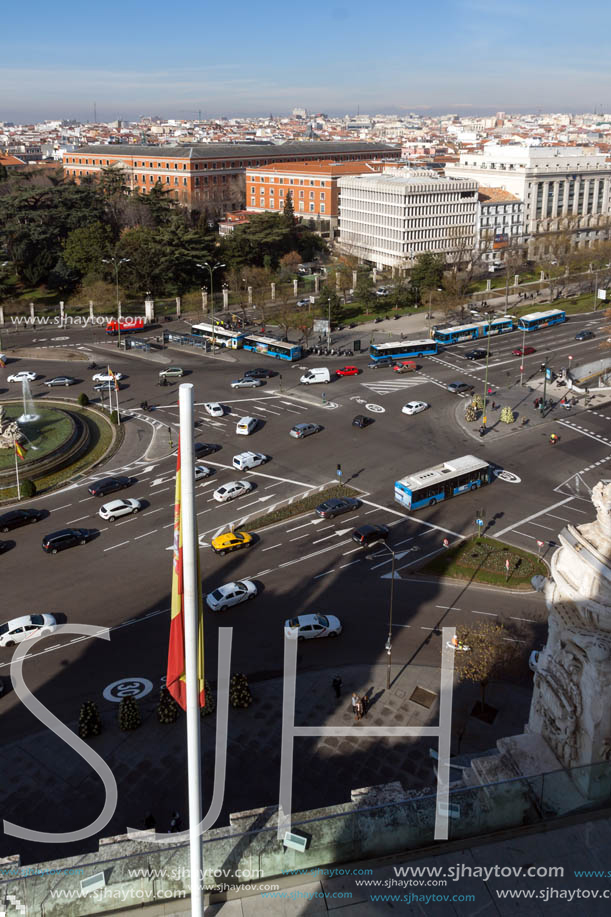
[5, 546]
[362, 420]
[108, 486]
[205, 448]
[584, 335]
[380, 364]
[476, 354]
[260, 373]
[18, 517]
[337, 506]
[367, 534]
[65, 538]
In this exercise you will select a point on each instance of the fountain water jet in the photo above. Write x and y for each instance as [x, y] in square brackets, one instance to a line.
[29, 414]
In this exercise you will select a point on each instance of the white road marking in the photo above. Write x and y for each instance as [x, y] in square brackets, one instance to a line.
[65, 506]
[326, 538]
[271, 547]
[198, 514]
[357, 561]
[80, 518]
[299, 537]
[529, 620]
[351, 552]
[490, 614]
[447, 607]
[326, 573]
[542, 512]
[149, 512]
[262, 573]
[145, 534]
[120, 545]
[548, 527]
[275, 484]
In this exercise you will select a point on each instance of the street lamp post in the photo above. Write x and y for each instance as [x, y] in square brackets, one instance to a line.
[388, 644]
[207, 267]
[117, 262]
[522, 363]
[489, 317]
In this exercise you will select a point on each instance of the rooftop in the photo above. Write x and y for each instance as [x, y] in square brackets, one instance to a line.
[493, 195]
[215, 150]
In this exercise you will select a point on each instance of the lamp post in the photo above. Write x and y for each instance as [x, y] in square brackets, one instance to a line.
[522, 363]
[388, 644]
[489, 318]
[207, 267]
[117, 262]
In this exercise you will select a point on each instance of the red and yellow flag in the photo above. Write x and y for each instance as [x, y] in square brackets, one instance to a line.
[20, 451]
[175, 679]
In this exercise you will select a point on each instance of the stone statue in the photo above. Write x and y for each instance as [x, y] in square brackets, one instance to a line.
[9, 432]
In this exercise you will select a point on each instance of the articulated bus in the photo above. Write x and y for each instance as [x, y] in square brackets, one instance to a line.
[432, 485]
[269, 347]
[221, 336]
[541, 319]
[474, 330]
[403, 349]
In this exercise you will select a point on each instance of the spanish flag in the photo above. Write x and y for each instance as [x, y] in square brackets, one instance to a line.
[114, 379]
[20, 451]
[175, 679]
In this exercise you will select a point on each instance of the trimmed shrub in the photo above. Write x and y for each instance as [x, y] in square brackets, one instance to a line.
[28, 488]
[239, 692]
[83, 399]
[210, 701]
[471, 413]
[114, 417]
[90, 722]
[507, 415]
[129, 714]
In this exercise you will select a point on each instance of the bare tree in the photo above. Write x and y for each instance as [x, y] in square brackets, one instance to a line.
[491, 652]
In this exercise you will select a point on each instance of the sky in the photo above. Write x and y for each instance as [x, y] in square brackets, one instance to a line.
[237, 58]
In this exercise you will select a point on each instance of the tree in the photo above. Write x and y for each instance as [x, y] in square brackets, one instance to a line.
[28, 489]
[90, 721]
[491, 651]
[289, 211]
[85, 247]
[83, 399]
[427, 272]
[334, 309]
[101, 294]
[290, 261]
[62, 278]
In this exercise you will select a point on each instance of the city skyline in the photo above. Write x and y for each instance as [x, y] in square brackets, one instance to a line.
[471, 59]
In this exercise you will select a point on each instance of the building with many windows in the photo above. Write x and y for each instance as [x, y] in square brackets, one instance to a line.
[390, 218]
[561, 186]
[209, 176]
[500, 223]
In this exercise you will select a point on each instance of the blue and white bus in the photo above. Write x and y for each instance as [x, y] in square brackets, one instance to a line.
[403, 349]
[269, 347]
[432, 485]
[474, 330]
[222, 337]
[535, 320]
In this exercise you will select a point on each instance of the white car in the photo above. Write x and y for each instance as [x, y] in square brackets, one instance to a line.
[116, 508]
[20, 629]
[214, 409]
[247, 382]
[202, 471]
[382, 291]
[307, 627]
[414, 407]
[24, 375]
[106, 377]
[232, 490]
[303, 302]
[231, 594]
[246, 460]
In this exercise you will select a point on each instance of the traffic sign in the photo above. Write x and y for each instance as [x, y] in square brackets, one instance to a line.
[479, 521]
[540, 543]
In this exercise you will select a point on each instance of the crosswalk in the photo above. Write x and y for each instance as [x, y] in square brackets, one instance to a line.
[388, 386]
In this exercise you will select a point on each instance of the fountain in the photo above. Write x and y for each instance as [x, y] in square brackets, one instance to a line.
[9, 432]
[29, 415]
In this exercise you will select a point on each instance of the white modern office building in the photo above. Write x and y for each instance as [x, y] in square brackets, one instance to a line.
[391, 217]
[561, 186]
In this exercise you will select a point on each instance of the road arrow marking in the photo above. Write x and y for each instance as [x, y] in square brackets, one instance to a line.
[262, 499]
[342, 531]
[389, 576]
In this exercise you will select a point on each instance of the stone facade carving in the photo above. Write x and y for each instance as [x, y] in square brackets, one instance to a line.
[9, 431]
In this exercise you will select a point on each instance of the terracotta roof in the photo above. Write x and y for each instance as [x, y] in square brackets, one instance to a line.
[492, 195]
[7, 160]
[317, 167]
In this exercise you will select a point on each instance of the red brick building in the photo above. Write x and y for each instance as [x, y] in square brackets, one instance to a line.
[209, 176]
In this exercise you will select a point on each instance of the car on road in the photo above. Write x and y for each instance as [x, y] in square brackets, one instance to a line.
[202, 471]
[24, 375]
[172, 372]
[336, 506]
[231, 594]
[405, 366]
[347, 371]
[260, 372]
[106, 377]
[246, 460]
[477, 354]
[65, 538]
[304, 429]
[214, 409]
[306, 627]
[362, 421]
[109, 486]
[523, 351]
[116, 508]
[460, 388]
[15, 518]
[26, 627]
[232, 490]
[61, 380]
[382, 291]
[384, 363]
[303, 302]
[368, 534]
[5, 546]
[584, 335]
[107, 387]
[231, 541]
[414, 407]
[246, 382]
[205, 448]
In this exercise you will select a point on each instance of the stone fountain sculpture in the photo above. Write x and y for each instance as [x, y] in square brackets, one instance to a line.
[9, 431]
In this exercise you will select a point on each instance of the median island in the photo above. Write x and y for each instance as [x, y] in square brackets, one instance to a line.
[302, 505]
[484, 560]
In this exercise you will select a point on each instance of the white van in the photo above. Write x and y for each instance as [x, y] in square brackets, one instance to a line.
[316, 375]
[246, 425]
[247, 460]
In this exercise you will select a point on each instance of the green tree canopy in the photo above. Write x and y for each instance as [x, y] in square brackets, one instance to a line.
[427, 273]
[85, 247]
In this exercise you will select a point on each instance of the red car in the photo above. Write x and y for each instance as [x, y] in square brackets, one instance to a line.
[519, 352]
[347, 371]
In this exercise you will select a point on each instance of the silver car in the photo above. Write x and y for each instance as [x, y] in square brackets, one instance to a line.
[247, 382]
[304, 429]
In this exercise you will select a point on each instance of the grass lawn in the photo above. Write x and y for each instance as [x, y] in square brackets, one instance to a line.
[298, 507]
[43, 435]
[573, 305]
[483, 561]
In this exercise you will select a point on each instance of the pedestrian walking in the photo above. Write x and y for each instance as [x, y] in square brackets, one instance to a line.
[175, 823]
[355, 705]
[360, 708]
[364, 704]
[446, 542]
[337, 686]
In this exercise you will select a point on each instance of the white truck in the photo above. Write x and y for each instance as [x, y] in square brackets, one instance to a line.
[246, 460]
[319, 374]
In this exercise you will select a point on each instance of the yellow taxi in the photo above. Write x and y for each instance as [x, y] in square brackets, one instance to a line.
[231, 541]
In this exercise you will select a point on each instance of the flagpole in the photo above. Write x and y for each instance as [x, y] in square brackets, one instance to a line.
[191, 621]
[16, 467]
